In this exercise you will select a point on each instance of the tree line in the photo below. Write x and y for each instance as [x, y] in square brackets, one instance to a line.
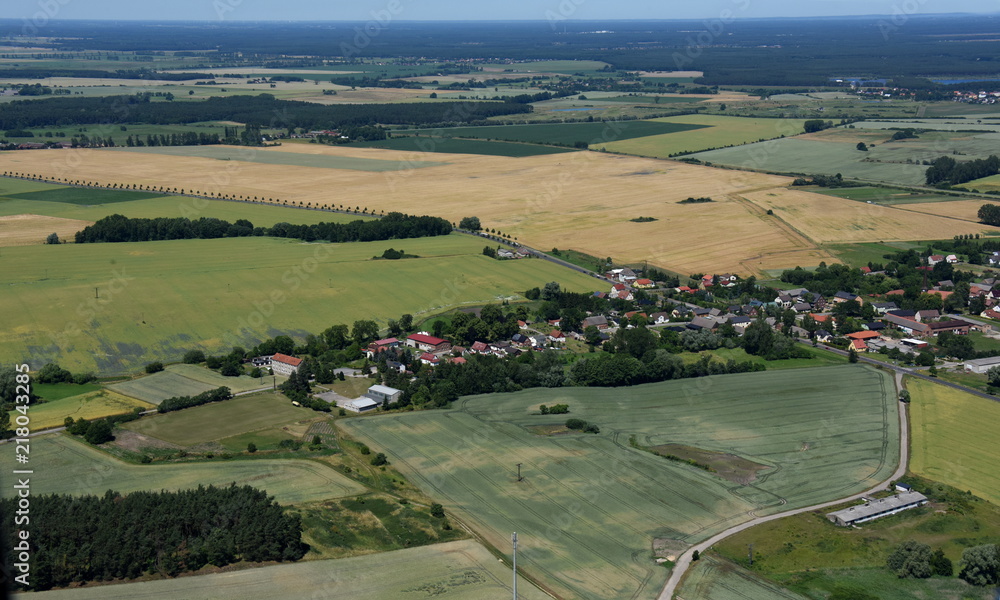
[947, 170]
[263, 110]
[119, 228]
[79, 539]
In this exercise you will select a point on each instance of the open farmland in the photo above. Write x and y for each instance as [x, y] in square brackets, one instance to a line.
[986, 184]
[714, 579]
[580, 200]
[73, 467]
[462, 570]
[45, 201]
[884, 196]
[88, 405]
[31, 230]
[212, 422]
[562, 133]
[277, 157]
[184, 380]
[158, 300]
[454, 146]
[825, 220]
[590, 505]
[952, 433]
[715, 131]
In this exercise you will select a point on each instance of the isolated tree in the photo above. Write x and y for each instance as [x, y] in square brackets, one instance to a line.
[550, 291]
[193, 357]
[251, 447]
[470, 223]
[154, 367]
[379, 459]
[911, 559]
[981, 565]
[99, 432]
[364, 331]
[437, 510]
[52, 239]
[862, 146]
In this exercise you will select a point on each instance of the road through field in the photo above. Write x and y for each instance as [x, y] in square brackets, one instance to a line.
[684, 561]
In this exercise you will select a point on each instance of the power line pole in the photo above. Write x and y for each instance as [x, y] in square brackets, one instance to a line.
[519, 478]
[513, 539]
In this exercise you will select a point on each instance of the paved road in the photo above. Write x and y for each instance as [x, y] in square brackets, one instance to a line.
[684, 562]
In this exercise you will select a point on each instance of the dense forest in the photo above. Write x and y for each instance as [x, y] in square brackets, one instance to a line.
[263, 110]
[734, 51]
[119, 228]
[89, 538]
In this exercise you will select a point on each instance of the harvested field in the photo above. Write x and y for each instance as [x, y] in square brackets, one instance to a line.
[824, 219]
[277, 157]
[73, 467]
[964, 210]
[462, 570]
[29, 230]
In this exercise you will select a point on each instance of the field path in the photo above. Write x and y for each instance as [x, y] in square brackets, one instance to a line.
[796, 238]
[684, 562]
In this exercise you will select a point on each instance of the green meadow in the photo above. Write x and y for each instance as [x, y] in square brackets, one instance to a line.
[562, 133]
[590, 505]
[74, 467]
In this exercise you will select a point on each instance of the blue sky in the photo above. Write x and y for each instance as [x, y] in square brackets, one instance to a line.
[342, 10]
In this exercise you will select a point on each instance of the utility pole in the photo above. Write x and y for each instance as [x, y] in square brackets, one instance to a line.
[513, 539]
[519, 478]
[750, 553]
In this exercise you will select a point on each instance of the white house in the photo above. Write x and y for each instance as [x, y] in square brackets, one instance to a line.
[282, 364]
[384, 393]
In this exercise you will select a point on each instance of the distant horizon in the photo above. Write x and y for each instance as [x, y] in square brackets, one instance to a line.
[315, 11]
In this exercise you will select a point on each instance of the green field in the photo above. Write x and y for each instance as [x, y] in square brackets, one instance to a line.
[212, 422]
[952, 438]
[84, 405]
[862, 253]
[820, 358]
[185, 380]
[264, 215]
[83, 196]
[453, 146]
[834, 151]
[650, 99]
[715, 579]
[275, 157]
[73, 467]
[590, 505]
[160, 299]
[886, 196]
[986, 184]
[462, 570]
[58, 391]
[715, 131]
[563, 133]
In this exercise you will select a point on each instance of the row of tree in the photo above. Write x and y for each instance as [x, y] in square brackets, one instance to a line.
[78, 539]
[119, 228]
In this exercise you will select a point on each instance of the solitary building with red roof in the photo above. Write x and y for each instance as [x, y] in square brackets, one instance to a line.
[282, 364]
[427, 343]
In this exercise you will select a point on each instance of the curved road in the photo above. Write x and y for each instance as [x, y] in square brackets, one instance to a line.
[684, 562]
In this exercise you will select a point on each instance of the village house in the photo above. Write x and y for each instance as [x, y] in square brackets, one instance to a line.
[907, 326]
[282, 364]
[644, 284]
[378, 346]
[384, 394]
[874, 509]
[955, 326]
[557, 336]
[659, 318]
[427, 343]
[598, 321]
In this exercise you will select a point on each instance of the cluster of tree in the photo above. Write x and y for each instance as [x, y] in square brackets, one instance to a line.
[913, 559]
[827, 181]
[96, 74]
[989, 214]
[908, 133]
[581, 425]
[814, 125]
[53, 373]
[613, 370]
[261, 109]
[356, 133]
[118, 536]
[393, 254]
[181, 402]
[188, 138]
[691, 200]
[948, 171]
[99, 431]
[298, 389]
[118, 228]
[34, 90]
[555, 409]
[376, 81]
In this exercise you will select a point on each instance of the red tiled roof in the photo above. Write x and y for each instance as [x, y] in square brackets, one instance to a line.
[863, 335]
[556, 334]
[429, 357]
[426, 339]
[458, 360]
[643, 281]
[288, 360]
[386, 342]
[859, 345]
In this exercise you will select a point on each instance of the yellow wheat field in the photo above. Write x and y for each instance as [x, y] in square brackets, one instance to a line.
[582, 201]
[27, 230]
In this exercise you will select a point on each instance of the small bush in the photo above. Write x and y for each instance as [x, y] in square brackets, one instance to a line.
[154, 367]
